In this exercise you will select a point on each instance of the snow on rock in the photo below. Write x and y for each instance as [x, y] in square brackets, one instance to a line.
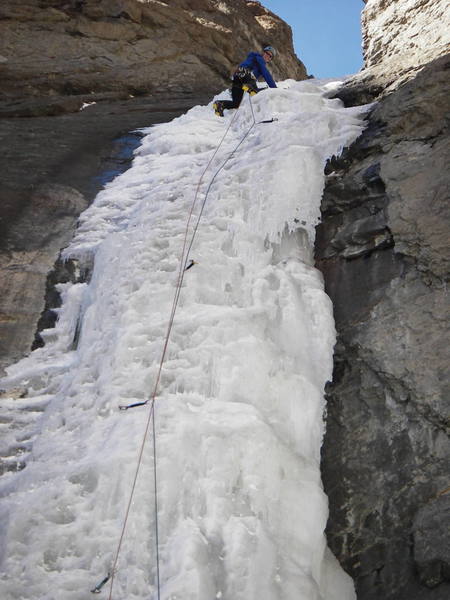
[239, 412]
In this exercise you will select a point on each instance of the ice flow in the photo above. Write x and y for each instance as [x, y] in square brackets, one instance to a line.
[239, 412]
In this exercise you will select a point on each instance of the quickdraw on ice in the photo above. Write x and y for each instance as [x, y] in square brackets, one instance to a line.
[126, 407]
[98, 588]
[190, 265]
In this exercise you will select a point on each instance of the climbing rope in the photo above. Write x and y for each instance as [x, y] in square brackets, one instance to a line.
[183, 268]
[185, 264]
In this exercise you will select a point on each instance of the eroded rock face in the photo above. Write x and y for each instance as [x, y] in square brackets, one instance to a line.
[29, 250]
[403, 34]
[432, 542]
[383, 248]
[399, 38]
[73, 49]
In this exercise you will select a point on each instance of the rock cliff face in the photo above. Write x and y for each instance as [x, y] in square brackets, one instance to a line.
[65, 52]
[142, 62]
[399, 38]
[404, 34]
[383, 247]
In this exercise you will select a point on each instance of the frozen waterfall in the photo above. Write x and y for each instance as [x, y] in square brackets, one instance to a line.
[239, 412]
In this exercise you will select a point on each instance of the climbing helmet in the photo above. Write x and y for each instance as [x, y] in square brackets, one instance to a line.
[270, 50]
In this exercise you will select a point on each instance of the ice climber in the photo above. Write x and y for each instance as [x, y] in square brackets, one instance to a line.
[245, 78]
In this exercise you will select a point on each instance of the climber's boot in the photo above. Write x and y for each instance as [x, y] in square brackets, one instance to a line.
[218, 108]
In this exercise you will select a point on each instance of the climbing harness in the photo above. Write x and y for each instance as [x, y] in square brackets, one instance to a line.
[244, 72]
[185, 264]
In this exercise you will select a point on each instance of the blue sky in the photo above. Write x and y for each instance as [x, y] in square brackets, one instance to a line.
[327, 33]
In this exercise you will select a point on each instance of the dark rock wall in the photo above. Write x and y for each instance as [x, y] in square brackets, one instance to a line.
[383, 247]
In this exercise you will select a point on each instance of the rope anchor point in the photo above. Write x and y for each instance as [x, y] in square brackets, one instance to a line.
[98, 588]
[191, 264]
[126, 407]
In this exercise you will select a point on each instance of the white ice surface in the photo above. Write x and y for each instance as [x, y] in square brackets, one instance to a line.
[239, 414]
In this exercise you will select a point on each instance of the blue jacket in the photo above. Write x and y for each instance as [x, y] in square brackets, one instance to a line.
[256, 63]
